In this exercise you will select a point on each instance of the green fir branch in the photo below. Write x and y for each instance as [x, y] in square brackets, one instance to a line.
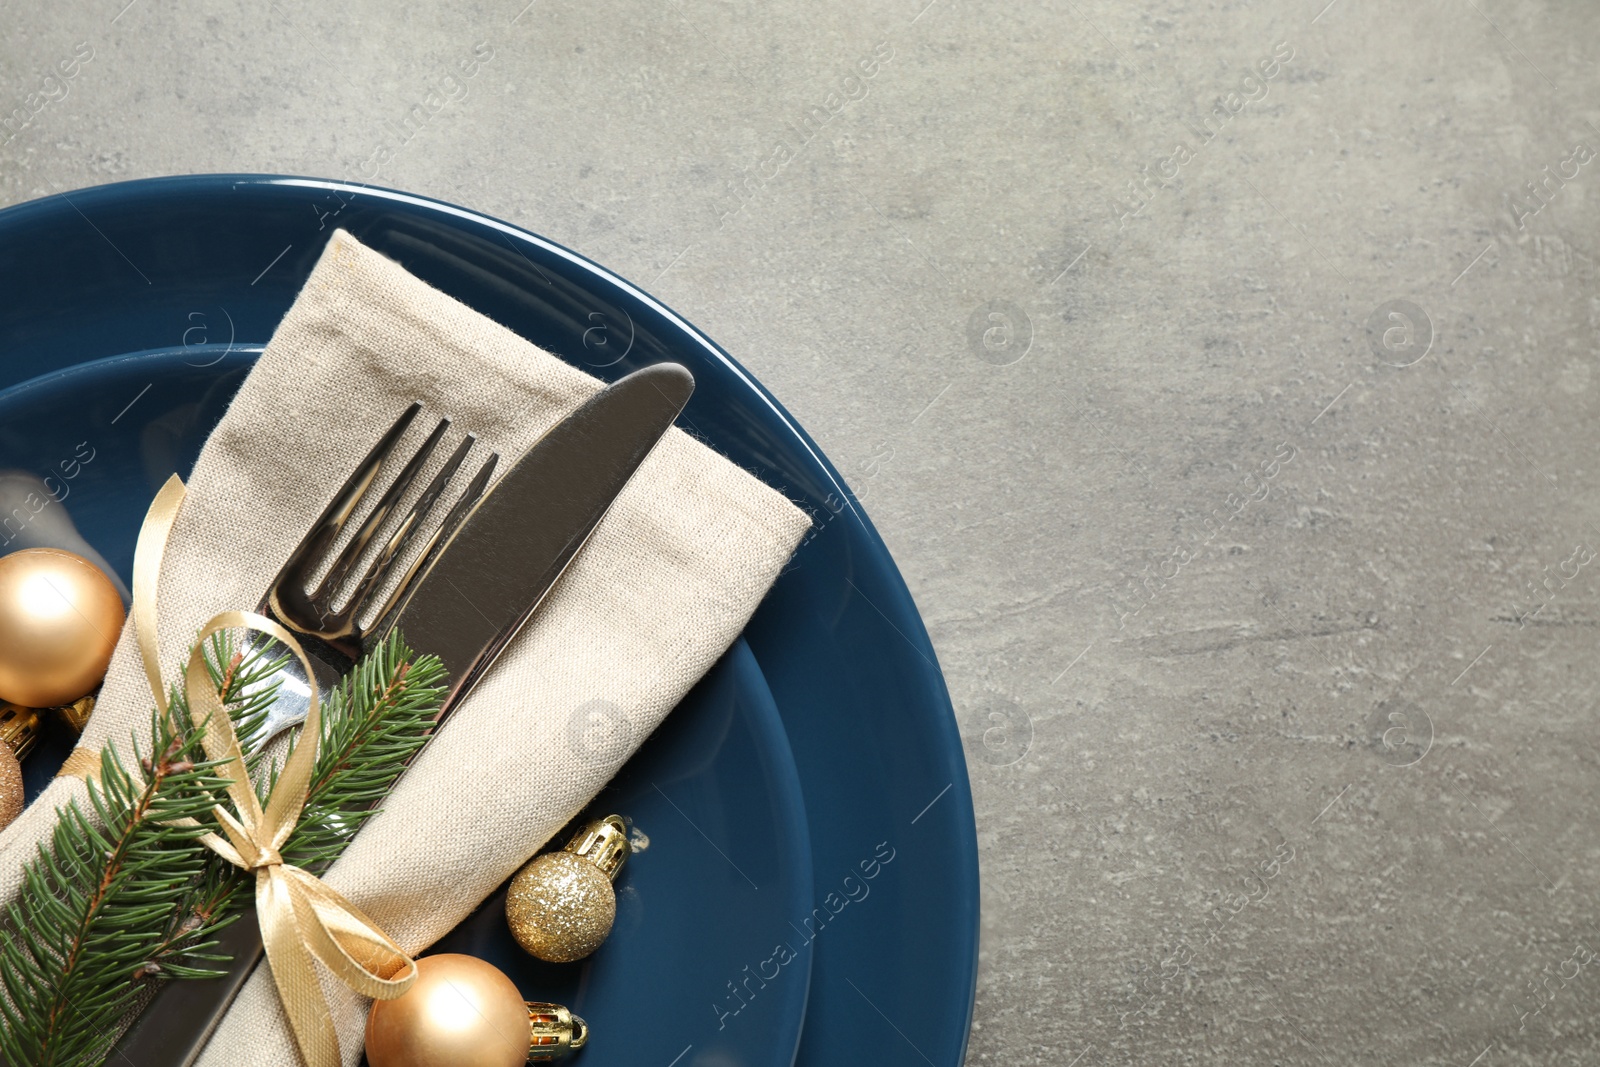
[380, 715]
[123, 897]
[71, 956]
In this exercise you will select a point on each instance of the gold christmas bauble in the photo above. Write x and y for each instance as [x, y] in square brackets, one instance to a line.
[560, 906]
[463, 1012]
[59, 621]
[19, 729]
[11, 797]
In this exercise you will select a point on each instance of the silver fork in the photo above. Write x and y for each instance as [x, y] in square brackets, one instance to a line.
[332, 635]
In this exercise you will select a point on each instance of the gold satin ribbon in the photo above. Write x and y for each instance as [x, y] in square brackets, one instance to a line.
[80, 763]
[301, 918]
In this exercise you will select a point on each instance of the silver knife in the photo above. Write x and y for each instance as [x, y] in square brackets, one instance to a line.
[476, 591]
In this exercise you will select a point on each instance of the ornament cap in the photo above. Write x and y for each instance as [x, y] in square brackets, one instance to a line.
[19, 727]
[76, 714]
[553, 1032]
[603, 843]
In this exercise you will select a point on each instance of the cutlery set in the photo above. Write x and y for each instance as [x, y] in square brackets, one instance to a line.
[476, 577]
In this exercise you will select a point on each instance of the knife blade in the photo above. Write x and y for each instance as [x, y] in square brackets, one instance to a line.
[468, 598]
[523, 534]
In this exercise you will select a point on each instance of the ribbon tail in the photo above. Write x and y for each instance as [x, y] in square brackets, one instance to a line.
[299, 991]
[347, 942]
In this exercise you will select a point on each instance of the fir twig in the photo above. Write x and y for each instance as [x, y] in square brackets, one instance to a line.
[124, 897]
[376, 720]
[72, 950]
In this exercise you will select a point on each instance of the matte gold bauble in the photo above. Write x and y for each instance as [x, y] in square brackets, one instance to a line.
[59, 621]
[463, 1012]
[560, 906]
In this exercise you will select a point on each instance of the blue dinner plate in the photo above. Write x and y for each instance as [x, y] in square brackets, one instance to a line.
[209, 264]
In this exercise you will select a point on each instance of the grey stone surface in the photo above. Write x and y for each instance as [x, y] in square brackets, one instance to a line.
[1273, 638]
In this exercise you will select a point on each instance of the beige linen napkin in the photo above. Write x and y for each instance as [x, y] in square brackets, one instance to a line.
[663, 587]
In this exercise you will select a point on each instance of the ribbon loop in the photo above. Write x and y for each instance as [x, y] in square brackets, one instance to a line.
[301, 917]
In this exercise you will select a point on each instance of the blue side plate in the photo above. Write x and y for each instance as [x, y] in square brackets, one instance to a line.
[208, 265]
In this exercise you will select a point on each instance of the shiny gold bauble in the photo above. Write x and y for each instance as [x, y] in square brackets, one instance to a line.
[59, 621]
[463, 1012]
[560, 906]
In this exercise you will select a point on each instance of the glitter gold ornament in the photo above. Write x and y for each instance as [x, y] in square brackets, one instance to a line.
[561, 905]
[463, 1012]
[19, 727]
[12, 795]
[59, 621]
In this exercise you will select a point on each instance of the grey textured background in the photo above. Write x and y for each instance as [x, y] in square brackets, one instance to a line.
[1276, 659]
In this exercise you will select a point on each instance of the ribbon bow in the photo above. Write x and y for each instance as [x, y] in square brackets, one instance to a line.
[301, 918]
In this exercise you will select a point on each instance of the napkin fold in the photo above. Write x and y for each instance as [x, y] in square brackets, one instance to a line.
[663, 587]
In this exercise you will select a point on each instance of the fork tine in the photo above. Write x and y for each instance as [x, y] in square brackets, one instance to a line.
[287, 597]
[403, 536]
[435, 544]
[323, 597]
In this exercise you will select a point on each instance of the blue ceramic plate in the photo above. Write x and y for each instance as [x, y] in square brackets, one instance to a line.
[211, 263]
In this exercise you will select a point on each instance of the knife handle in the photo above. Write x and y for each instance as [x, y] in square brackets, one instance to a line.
[175, 1026]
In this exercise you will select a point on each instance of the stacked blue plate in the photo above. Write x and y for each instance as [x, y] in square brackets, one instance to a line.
[808, 893]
